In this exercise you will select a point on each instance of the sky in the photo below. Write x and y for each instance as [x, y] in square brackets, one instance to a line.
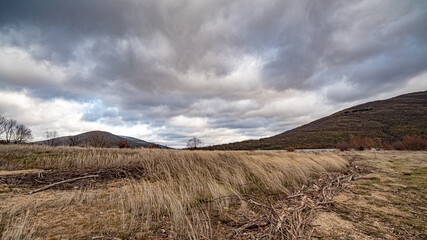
[222, 71]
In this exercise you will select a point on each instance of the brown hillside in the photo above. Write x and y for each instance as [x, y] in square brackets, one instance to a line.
[98, 139]
[389, 119]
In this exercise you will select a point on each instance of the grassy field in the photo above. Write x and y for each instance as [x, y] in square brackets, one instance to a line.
[153, 193]
[388, 203]
[173, 193]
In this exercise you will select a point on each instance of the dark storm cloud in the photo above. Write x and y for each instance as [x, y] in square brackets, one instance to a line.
[273, 63]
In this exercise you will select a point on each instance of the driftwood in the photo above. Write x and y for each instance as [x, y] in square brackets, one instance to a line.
[61, 182]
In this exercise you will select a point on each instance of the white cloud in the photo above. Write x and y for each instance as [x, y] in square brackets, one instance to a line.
[17, 66]
[188, 122]
[61, 115]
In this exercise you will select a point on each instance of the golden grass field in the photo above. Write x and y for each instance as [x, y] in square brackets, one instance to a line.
[175, 194]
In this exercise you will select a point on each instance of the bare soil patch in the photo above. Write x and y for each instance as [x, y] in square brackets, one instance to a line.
[44, 177]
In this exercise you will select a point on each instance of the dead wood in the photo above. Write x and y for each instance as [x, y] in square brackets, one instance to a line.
[61, 182]
[45, 177]
[289, 216]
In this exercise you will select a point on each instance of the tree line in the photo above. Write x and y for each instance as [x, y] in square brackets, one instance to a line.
[11, 131]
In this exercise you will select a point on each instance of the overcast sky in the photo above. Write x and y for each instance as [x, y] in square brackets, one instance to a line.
[220, 70]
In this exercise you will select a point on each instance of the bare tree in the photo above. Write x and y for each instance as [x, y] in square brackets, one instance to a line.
[10, 129]
[97, 140]
[194, 143]
[50, 137]
[2, 125]
[73, 140]
[22, 133]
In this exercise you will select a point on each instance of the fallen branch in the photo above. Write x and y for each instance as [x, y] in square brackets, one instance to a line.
[61, 182]
[296, 195]
[290, 215]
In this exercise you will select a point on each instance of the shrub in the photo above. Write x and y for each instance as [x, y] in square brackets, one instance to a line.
[124, 144]
[412, 143]
[387, 146]
[343, 146]
[290, 149]
[357, 143]
[377, 143]
[153, 145]
[415, 143]
[362, 143]
[398, 145]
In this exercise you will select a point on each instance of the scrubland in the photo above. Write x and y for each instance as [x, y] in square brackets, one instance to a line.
[175, 195]
[179, 194]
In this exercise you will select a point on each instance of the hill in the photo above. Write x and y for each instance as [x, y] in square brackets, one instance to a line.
[98, 139]
[389, 119]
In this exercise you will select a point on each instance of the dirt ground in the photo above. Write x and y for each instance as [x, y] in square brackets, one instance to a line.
[35, 178]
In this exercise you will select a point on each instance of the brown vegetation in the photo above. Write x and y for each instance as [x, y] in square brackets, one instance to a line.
[387, 146]
[152, 193]
[124, 144]
[290, 149]
[412, 143]
[176, 194]
[362, 143]
[343, 146]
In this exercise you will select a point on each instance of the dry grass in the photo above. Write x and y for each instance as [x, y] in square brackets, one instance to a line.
[389, 203]
[166, 201]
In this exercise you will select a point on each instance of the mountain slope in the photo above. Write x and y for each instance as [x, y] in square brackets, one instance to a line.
[99, 139]
[389, 119]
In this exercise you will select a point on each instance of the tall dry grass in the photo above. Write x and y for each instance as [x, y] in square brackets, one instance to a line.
[175, 184]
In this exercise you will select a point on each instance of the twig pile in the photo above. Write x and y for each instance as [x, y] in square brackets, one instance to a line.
[290, 217]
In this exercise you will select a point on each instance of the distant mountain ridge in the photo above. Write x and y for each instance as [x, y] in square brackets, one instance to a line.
[99, 139]
[389, 119]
